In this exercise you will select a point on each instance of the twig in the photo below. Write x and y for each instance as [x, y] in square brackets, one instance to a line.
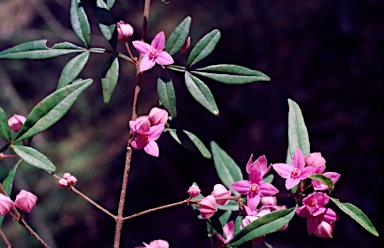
[6, 241]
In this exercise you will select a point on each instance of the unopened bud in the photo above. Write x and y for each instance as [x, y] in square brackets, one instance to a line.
[16, 122]
[72, 180]
[5, 204]
[194, 191]
[158, 116]
[63, 183]
[124, 30]
[314, 159]
[25, 201]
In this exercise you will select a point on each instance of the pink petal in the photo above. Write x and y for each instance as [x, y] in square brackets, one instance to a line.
[138, 144]
[241, 186]
[253, 201]
[324, 230]
[158, 42]
[156, 131]
[267, 189]
[249, 165]
[152, 148]
[291, 182]
[284, 170]
[306, 171]
[159, 243]
[255, 175]
[312, 224]
[303, 211]
[142, 47]
[329, 216]
[164, 58]
[298, 160]
[132, 126]
[333, 176]
[146, 63]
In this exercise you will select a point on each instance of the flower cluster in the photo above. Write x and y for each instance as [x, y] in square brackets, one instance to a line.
[220, 195]
[67, 180]
[24, 201]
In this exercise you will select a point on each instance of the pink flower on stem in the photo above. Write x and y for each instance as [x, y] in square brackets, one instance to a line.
[158, 116]
[63, 183]
[16, 122]
[228, 230]
[186, 45]
[261, 162]
[153, 53]
[254, 188]
[331, 175]
[158, 243]
[124, 30]
[5, 204]
[194, 191]
[296, 172]
[220, 191]
[314, 159]
[25, 201]
[208, 207]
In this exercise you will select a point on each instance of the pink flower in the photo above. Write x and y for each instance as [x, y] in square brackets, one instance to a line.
[153, 53]
[314, 203]
[124, 30]
[5, 204]
[254, 188]
[220, 191]
[261, 162]
[25, 201]
[314, 159]
[331, 175]
[228, 230]
[295, 172]
[208, 207]
[63, 183]
[321, 225]
[186, 45]
[16, 122]
[158, 116]
[72, 180]
[158, 243]
[194, 191]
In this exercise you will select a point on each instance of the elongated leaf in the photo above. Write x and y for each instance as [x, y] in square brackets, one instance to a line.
[231, 205]
[7, 185]
[109, 3]
[297, 131]
[107, 23]
[266, 224]
[51, 109]
[5, 131]
[33, 157]
[110, 77]
[226, 168]
[231, 74]
[79, 22]
[204, 47]
[356, 214]
[200, 91]
[38, 50]
[167, 95]
[324, 180]
[190, 141]
[225, 217]
[177, 39]
[72, 69]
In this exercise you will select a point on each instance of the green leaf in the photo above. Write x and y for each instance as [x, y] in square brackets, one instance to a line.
[190, 141]
[297, 131]
[176, 68]
[79, 22]
[238, 222]
[72, 69]
[107, 23]
[167, 95]
[5, 131]
[110, 75]
[109, 3]
[324, 180]
[226, 168]
[200, 91]
[356, 214]
[51, 109]
[38, 50]
[225, 217]
[7, 185]
[177, 39]
[231, 74]
[266, 224]
[231, 205]
[269, 178]
[34, 157]
[204, 47]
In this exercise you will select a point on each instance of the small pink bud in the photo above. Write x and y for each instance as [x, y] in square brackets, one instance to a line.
[186, 45]
[208, 207]
[324, 230]
[159, 243]
[66, 175]
[268, 200]
[5, 204]
[124, 30]
[25, 201]
[16, 122]
[314, 159]
[72, 180]
[158, 116]
[220, 191]
[194, 191]
[63, 183]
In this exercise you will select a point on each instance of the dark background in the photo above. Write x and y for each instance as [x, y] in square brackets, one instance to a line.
[325, 55]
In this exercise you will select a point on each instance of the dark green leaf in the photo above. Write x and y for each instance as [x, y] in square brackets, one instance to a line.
[79, 22]
[51, 109]
[356, 214]
[107, 23]
[200, 91]
[231, 74]
[176, 68]
[5, 131]
[110, 75]
[238, 222]
[226, 168]
[167, 95]
[266, 224]
[72, 69]
[110, 3]
[204, 47]
[177, 39]
[225, 217]
[7, 185]
[324, 180]
[38, 50]
[33, 157]
[297, 131]
[190, 141]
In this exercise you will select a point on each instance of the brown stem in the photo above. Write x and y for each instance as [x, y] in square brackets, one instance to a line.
[34, 234]
[147, 4]
[6, 241]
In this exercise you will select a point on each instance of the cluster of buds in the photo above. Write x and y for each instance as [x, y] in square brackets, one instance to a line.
[67, 180]
[15, 122]
[24, 201]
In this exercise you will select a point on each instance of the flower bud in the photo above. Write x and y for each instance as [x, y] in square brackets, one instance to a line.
[25, 201]
[208, 207]
[268, 200]
[314, 159]
[16, 122]
[158, 116]
[124, 30]
[186, 45]
[63, 183]
[324, 230]
[66, 175]
[220, 191]
[194, 191]
[72, 180]
[5, 204]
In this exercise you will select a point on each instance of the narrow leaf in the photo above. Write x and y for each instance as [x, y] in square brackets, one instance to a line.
[72, 69]
[167, 95]
[200, 91]
[204, 47]
[34, 157]
[266, 224]
[324, 180]
[297, 131]
[107, 23]
[79, 22]
[225, 217]
[5, 131]
[226, 168]
[7, 185]
[38, 50]
[109, 3]
[51, 109]
[177, 39]
[110, 75]
[356, 214]
[190, 141]
[231, 74]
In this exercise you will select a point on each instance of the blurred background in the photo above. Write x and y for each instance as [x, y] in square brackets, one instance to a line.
[325, 55]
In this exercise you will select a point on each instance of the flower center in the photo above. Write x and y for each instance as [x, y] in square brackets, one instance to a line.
[254, 188]
[295, 173]
[153, 54]
[313, 203]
